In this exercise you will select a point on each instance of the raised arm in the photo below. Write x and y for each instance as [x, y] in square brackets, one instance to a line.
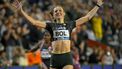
[34, 22]
[90, 14]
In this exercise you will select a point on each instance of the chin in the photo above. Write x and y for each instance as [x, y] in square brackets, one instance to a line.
[59, 17]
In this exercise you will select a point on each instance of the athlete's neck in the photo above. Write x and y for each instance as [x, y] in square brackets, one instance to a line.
[59, 20]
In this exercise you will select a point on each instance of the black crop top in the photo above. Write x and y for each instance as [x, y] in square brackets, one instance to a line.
[60, 31]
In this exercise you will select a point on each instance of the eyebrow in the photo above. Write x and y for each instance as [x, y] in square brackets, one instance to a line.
[58, 9]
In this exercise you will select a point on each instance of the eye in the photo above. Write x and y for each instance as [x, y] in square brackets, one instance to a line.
[60, 10]
[56, 10]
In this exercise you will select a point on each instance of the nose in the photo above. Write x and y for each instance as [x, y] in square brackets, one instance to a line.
[58, 11]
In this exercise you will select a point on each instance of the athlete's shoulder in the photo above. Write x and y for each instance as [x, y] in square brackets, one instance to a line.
[49, 23]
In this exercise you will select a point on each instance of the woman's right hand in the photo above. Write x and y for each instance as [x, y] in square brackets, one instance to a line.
[16, 4]
[99, 2]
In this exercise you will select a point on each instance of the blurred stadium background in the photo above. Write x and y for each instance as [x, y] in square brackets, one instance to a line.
[96, 44]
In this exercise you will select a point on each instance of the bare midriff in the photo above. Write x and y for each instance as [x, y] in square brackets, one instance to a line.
[61, 46]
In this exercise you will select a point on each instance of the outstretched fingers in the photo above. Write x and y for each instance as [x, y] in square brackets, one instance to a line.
[17, 4]
[99, 2]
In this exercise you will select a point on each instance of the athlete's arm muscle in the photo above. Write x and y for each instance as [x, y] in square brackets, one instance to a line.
[33, 21]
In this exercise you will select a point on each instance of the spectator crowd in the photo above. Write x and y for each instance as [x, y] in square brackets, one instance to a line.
[103, 31]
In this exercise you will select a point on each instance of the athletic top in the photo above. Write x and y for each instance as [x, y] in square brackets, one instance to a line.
[60, 31]
[45, 52]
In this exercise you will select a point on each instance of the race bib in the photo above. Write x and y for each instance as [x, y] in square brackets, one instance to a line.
[61, 34]
[45, 54]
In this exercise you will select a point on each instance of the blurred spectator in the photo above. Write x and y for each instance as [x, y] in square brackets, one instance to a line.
[19, 57]
[94, 57]
[16, 33]
[108, 57]
[97, 27]
[119, 58]
[3, 57]
[76, 56]
[79, 37]
[90, 34]
[34, 58]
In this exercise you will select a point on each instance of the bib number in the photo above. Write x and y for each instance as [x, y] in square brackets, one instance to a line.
[61, 34]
